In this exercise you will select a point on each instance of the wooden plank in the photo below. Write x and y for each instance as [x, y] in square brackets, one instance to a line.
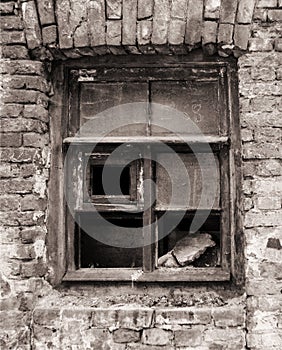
[148, 215]
[56, 219]
[73, 103]
[193, 139]
[159, 275]
[225, 227]
[237, 234]
[139, 74]
[164, 178]
[195, 59]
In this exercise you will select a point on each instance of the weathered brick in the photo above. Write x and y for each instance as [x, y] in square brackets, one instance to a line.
[245, 11]
[97, 23]
[16, 218]
[33, 269]
[144, 32]
[20, 96]
[9, 202]
[247, 135]
[145, 9]
[260, 44]
[35, 140]
[194, 25]
[11, 139]
[32, 28]
[260, 14]
[228, 11]
[27, 170]
[45, 316]
[241, 36]
[138, 346]
[16, 186]
[36, 112]
[161, 22]
[267, 186]
[11, 22]
[225, 33]
[179, 9]
[113, 9]
[278, 45]
[279, 74]
[229, 316]
[266, 3]
[262, 341]
[32, 202]
[113, 35]
[263, 73]
[11, 110]
[19, 125]
[212, 9]
[15, 52]
[261, 119]
[79, 23]
[23, 67]
[268, 203]
[18, 155]
[49, 34]
[263, 104]
[9, 235]
[8, 170]
[32, 234]
[7, 7]
[46, 11]
[124, 318]
[274, 15]
[189, 337]
[265, 218]
[176, 32]
[23, 252]
[268, 135]
[12, 37]
[210, 32]
[26, 82]
[269, 167]
[260, 151]
[129, 22]
[183, 316]
[123, 335]
[156, 336]
[225, 335]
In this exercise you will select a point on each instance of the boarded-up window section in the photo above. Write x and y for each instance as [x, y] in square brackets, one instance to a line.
[200, 188]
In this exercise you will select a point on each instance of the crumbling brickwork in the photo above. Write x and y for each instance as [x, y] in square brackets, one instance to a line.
[37, 315]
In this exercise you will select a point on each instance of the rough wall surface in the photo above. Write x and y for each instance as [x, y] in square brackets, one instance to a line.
[37, 316]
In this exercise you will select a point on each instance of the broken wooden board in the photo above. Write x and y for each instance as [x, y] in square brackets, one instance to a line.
[187, 250]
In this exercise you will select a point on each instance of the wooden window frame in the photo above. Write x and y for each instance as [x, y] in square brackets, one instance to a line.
[232, 256]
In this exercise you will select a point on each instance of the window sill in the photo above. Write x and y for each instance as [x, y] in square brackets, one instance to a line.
[189, 274]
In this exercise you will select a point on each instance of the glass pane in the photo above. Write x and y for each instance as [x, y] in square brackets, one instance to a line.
[197, 99]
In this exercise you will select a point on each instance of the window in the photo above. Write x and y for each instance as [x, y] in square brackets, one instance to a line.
[171, 250]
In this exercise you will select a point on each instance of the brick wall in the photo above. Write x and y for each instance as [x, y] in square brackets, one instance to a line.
[38, 316]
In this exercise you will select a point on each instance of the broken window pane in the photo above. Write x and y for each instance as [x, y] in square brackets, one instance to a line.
[97, 254]
[181, 248]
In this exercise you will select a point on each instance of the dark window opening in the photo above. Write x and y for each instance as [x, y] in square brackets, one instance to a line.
[97, 180]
